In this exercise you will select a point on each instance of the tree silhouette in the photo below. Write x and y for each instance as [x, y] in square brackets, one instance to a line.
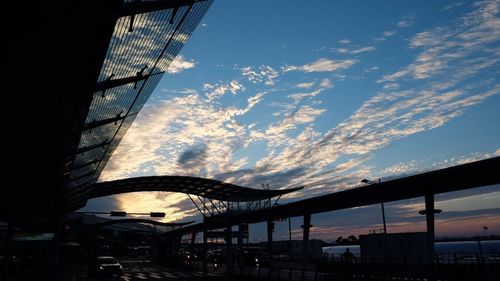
[352, 238]
[339, 240]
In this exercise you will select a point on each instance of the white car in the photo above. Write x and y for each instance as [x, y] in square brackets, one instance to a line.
[105, 266]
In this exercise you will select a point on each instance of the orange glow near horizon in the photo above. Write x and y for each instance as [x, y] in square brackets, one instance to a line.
[155, 202]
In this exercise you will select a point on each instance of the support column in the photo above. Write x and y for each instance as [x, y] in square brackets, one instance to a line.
[205, 246]
[229, 249]
[305, 246]
[305, 243]
[270, 240]
[193, 251]
[429, 217]
[193, 237]
[240, 246]
[240, 236]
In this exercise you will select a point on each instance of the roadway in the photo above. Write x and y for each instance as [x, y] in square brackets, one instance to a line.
[135, 270]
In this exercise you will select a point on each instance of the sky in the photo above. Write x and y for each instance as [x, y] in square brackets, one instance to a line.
[323, 95]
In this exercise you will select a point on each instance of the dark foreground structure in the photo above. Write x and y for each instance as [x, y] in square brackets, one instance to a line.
[79, 71]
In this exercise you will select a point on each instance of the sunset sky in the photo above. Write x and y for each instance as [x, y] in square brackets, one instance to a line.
[322, 94]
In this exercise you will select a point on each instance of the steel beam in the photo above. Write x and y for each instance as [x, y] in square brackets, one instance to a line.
[429, 219]
[137, 7]
[95, 124]
[92, 147]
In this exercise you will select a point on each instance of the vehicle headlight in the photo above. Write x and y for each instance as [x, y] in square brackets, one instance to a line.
[101, 268]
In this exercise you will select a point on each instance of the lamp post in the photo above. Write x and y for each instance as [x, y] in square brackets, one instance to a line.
[381, 203]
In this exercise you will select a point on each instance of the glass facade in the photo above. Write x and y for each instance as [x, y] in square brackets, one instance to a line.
[141, 48]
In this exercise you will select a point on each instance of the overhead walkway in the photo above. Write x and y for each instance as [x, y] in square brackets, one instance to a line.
[426, 185]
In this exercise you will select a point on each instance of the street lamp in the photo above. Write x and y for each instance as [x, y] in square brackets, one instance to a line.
[381, 203]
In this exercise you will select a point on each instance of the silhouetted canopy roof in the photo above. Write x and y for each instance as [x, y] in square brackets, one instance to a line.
[207, 188]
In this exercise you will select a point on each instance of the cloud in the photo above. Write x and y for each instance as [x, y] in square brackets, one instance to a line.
[341, 50]
[264, 73]
[297, 97]
[276, 135]
[175, 127]
[194, 157]
[181, 91]
[176, 206]
[218, 90]
[389, 33]
[326, 83]
[462, 49]
[371, 69]
[305, 85]
[391, 86]
[385, 35]
[355, 51]
[429, 38]
[363, 50]
[180, 64]
[344, 41]
[252, 101]
[452, 6]
[323, 65]
[404, 23]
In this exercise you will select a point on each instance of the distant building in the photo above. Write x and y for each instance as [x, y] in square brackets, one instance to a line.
[395, 247]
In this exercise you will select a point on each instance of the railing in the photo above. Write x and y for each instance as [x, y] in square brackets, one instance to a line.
[446, 266]
[445, 258]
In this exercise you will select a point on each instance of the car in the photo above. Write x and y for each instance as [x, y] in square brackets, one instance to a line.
[217, 257]
[104, 266]
[16, 263]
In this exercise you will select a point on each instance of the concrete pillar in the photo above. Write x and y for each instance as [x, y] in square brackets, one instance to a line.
[205, 247]
[240, 246]
[305, 246]
[305, 243]
[229, 249]
[270, 240]
[193, 245]
[193, 237]
[429, 217]
[240, 236]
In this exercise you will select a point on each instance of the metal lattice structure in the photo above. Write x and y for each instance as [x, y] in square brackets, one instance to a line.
[211, 197]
